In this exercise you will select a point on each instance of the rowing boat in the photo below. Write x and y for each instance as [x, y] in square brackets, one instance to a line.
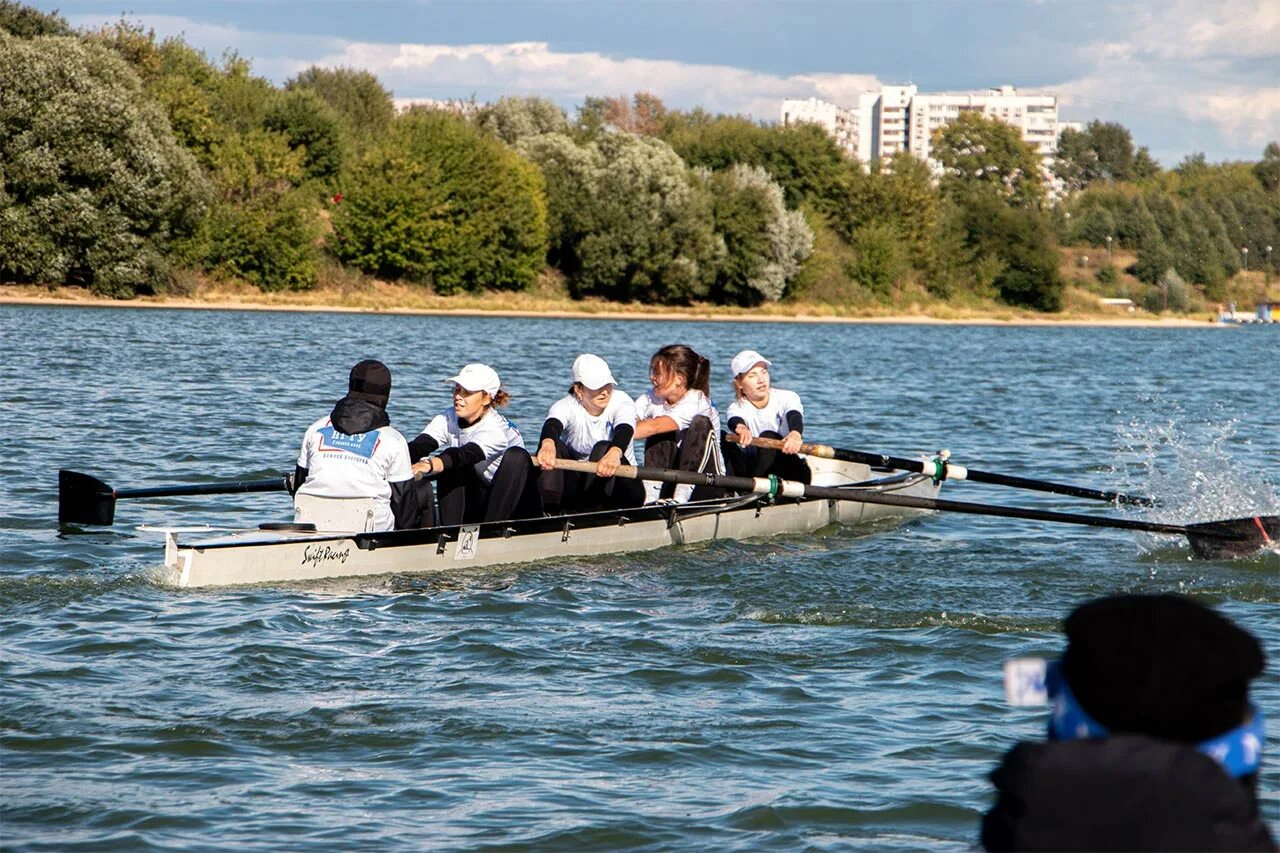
[285, 553]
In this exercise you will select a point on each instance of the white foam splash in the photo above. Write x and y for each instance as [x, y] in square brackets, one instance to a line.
[1191, 466]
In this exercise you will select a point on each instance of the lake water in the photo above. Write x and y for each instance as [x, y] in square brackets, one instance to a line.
[833, 692]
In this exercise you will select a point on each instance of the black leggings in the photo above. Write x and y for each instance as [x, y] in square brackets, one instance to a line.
[691, 449]
[763, 461]
[465, 498]
[573, 491]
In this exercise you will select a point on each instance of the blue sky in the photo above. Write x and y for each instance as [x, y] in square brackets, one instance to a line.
[1182, 75]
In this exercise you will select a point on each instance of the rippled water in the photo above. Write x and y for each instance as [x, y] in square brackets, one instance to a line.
[830, 692]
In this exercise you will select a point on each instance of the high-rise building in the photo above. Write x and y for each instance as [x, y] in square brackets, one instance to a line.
[900, 118]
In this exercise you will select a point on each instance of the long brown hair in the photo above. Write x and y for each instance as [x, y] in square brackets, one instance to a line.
[685, 362]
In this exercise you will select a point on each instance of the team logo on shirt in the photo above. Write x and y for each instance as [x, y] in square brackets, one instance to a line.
[361, 444]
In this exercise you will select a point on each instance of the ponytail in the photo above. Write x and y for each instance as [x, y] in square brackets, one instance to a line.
[701, 380]
[500, 399]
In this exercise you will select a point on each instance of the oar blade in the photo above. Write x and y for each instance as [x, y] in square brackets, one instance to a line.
[1236, 537]
[83, 499]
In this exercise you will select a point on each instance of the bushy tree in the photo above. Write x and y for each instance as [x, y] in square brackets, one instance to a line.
[361, 103]
[512, 119]
[631, 221]
[803, 159]
[1267, 169]
[765, 243]
[898, 193]
[1103, 151]
[22, 21]
[93, 186]
[441, 202]
[311, 125]
[975, 151]
[1016, 243]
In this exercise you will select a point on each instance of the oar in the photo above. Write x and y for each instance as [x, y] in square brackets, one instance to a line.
[941, 469]
[1237, 537]
[83, 499]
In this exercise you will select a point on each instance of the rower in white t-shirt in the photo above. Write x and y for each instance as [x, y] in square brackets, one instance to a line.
[354, 452]
[678, 421]
[481, 468]
[761, 411]
[593, 421]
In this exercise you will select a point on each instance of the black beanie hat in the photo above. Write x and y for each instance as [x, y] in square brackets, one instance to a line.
[370, 380]
[1160, 665]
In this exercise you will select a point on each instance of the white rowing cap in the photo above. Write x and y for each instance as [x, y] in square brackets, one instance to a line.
[592, 371]
[745, 360]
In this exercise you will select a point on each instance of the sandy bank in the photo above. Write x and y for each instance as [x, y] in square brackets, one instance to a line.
[383, 300]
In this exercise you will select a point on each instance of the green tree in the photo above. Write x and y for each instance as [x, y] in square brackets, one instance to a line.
[898, 193]
[441, 202]
[93, 186]
[512, 119]
[803, 159]
[978, 152]
[1267, 169]
[24, 22]
[632, 221]
[309, 124]
[1015, 244]
[765, 244]
[357, 97]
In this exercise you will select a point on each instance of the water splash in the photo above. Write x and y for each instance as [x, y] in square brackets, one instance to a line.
[1196, 468]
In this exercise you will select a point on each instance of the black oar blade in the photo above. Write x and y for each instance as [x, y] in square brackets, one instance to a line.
[83, 499]
[1236, 537]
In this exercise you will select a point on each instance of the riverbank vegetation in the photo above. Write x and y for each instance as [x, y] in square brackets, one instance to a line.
[131, 165]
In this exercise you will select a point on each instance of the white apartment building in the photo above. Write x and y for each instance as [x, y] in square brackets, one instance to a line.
[842, 125]
[901, 118]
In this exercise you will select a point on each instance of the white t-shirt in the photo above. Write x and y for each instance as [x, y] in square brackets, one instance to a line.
[692, 404]
[771, 418]
[582, 430]
[355, 466]
[493, 433]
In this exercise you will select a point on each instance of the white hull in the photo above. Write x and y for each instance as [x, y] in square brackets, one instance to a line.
[284, 556]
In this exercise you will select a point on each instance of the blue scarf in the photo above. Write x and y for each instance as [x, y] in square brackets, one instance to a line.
[1239, 750]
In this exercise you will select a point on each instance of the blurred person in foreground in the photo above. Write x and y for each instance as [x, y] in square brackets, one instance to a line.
[1153, 743]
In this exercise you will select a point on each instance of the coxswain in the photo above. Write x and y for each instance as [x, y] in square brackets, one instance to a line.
[354, 452]
[759, 410]
[482, 471]
[594, 421]
[678, 422]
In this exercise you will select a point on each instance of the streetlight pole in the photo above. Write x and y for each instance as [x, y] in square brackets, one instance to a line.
[1244, 250]
[1108, 248]
[1267, 266]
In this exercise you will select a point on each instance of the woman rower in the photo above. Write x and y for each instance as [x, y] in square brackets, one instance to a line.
[593, 421]
[482, 470]
[761, 411]
[678, 422]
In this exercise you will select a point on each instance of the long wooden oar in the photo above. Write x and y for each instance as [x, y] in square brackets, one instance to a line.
[1237, 537]
[84, 499]
[944, 470]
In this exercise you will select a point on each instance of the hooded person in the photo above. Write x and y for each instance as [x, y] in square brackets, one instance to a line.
[354, 452]
[1152, 744]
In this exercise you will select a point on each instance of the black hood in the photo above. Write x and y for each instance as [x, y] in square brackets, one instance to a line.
[1120, 793]
[353, 416]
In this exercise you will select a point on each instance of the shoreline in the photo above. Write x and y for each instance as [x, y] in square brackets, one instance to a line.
[222, 301]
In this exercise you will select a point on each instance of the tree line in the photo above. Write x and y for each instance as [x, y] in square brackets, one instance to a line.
[127, 163]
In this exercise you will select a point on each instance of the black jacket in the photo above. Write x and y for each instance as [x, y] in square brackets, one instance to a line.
[1120, 793]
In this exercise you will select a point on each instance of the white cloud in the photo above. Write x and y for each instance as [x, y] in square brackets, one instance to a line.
[1188, 63]
[533, 68]
[441, 71]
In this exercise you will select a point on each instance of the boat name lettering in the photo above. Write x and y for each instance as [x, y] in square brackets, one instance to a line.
[317, 554]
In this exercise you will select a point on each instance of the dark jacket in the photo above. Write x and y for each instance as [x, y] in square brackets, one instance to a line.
[1120, 793]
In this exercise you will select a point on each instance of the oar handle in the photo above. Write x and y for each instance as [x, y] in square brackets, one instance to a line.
[951, 471]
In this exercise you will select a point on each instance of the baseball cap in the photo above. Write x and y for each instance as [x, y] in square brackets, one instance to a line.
[592, 371]
[477, 377]
[745, 360]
